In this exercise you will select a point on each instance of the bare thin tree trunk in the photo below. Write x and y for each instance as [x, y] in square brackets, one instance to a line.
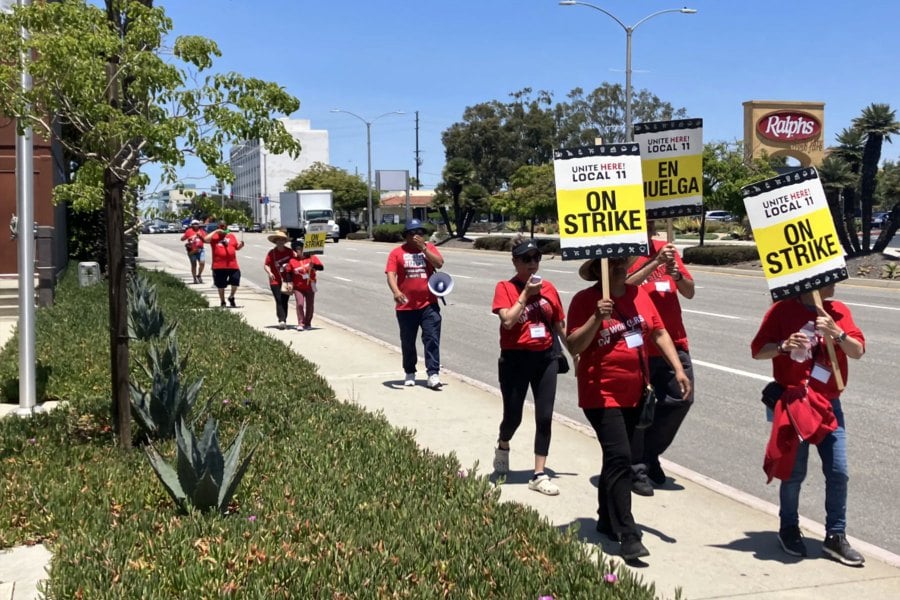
[888, 229]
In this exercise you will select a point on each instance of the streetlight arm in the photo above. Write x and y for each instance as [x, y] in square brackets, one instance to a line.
[604, 11]
[687, 11]
[339, 110]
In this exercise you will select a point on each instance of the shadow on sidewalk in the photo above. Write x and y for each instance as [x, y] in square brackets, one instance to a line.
[764, 546]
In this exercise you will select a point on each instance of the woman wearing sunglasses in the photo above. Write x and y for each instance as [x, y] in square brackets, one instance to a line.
[531, 314]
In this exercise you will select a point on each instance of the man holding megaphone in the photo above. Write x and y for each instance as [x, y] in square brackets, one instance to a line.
[409, 267]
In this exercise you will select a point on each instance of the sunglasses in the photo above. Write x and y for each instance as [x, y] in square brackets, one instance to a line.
[416, 232]
[530, 258]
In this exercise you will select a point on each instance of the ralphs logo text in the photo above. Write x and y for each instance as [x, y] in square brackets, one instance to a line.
[787, 126]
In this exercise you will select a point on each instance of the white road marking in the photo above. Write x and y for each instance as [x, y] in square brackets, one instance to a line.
[481, 264]
[462, 276]
[351, 260]
[565, 292]
[709, 314]
[872, 306]
[342, 278]
[730, 370]
[557, 271]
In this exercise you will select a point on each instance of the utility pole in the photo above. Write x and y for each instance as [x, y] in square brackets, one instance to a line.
[418, 152]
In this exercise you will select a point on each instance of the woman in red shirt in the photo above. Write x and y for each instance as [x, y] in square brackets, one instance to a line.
[531, 313]
[302, 271]
[608, 331]
[276, 260]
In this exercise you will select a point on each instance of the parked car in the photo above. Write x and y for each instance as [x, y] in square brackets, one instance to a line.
[878, 219]
[719, 215]
[234, 228]
[256, 228]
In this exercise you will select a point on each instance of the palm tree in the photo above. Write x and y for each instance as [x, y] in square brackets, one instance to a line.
[877, 123]
[458, 174]
[836, 176]
[850, 150]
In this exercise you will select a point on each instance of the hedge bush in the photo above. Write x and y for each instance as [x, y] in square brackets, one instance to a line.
[336, 504]
[394, 233]
[712, 254]
[503, 243]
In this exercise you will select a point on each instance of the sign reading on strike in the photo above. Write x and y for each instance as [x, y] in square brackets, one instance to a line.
[314, 240]
[672, 164]
[600, 201]
[795, 235]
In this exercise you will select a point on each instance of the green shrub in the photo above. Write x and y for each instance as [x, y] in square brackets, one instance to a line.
[686, 225]
[394, 233]
[719, 254]
[359, 235]
[338, 504]
[503, 243]
[145, 317]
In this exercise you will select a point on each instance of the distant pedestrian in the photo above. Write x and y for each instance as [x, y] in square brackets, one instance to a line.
[193, 242]
[408, 268]
[664, 277]
[792, 334]
[610, 334]
[226, 272]
[531, 316]
[275, 263]
[302, 269]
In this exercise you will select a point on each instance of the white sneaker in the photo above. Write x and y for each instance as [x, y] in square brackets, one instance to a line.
[434, 382]
[501, 461]
[410, 380]
[542, 484]
[282, 325]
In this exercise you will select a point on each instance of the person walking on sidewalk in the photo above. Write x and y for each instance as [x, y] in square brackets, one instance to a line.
[609, 334]
[408, 268]
[792, 335]
[275, 262]
[224, 247]
[663, 276]
[193, 243]
[531, 318]
[302, 269]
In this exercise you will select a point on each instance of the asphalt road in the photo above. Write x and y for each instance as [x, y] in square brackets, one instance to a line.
[725, 434]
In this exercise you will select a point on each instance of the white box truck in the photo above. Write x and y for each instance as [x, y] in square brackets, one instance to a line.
[300, 208]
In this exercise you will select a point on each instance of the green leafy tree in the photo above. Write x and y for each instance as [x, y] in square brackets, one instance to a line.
[349, 192]
[531, 194]
[877, 123]
[103, 73]
[836, 175]
[725, 172]
[460, 189]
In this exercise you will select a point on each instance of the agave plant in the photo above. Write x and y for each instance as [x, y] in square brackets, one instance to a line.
[145, 318]
[204, 478]
[158, 409]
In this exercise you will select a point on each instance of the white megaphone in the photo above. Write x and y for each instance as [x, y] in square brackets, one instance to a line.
[440, 284]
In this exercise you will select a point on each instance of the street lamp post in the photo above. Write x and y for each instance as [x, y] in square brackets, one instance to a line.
[629, 132]
[369, 154]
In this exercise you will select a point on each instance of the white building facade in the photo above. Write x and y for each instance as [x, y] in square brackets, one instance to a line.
[260, 174]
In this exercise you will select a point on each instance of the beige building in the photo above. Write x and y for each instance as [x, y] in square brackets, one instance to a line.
[785, 128]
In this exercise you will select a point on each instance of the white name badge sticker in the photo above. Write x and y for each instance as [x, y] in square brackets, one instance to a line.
[634, 339]
[820, 373]
[662, 286]
[538, 331]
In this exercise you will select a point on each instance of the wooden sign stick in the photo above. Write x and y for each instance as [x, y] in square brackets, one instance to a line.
[604, 278]
[670, 230]
[829, 344]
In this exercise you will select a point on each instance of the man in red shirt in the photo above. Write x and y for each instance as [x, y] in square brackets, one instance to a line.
[664, 277]
[224, 246]
[193, 238]
[408, 268]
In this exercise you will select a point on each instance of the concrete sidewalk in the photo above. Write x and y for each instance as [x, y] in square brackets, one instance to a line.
[705, 538]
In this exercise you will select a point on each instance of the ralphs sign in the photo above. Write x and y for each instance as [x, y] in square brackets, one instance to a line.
[788, 126]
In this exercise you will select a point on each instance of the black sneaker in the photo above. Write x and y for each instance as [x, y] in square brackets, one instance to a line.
[232, 302]
[640, 484]
[791, 541]
[632, 547]
[837, 547]
[656, 474]
[223, 305]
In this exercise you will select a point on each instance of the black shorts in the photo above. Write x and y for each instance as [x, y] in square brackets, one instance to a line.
[222, 278]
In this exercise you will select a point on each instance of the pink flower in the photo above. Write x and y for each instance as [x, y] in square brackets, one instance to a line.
[252, 518]
[462, 473]
[249, 388]
[611, 578]
[32, 441]
[545, 598]
[225, 401]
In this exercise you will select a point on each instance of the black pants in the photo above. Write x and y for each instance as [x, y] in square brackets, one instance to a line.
[519, 369]
[615, 427]
[671, 409]
[281, 302]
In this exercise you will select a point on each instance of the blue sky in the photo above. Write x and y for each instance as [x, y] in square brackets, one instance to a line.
[376, 56]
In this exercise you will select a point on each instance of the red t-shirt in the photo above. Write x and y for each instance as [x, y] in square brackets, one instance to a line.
[277, 259]
[542, 310]
[194, 239]
[610, 373]
[302, 273]
[663, 291]
[789, 316]
[224, 251]
[413, 271]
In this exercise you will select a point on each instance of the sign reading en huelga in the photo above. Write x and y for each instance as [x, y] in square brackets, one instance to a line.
[672, 164]
[795, 234]
[314, 240]
[600, 201]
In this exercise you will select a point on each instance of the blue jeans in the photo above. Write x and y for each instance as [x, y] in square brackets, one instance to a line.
[833, 451]
[429, 319]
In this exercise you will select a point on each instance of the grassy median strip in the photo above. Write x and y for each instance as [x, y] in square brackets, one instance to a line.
[336, 503]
